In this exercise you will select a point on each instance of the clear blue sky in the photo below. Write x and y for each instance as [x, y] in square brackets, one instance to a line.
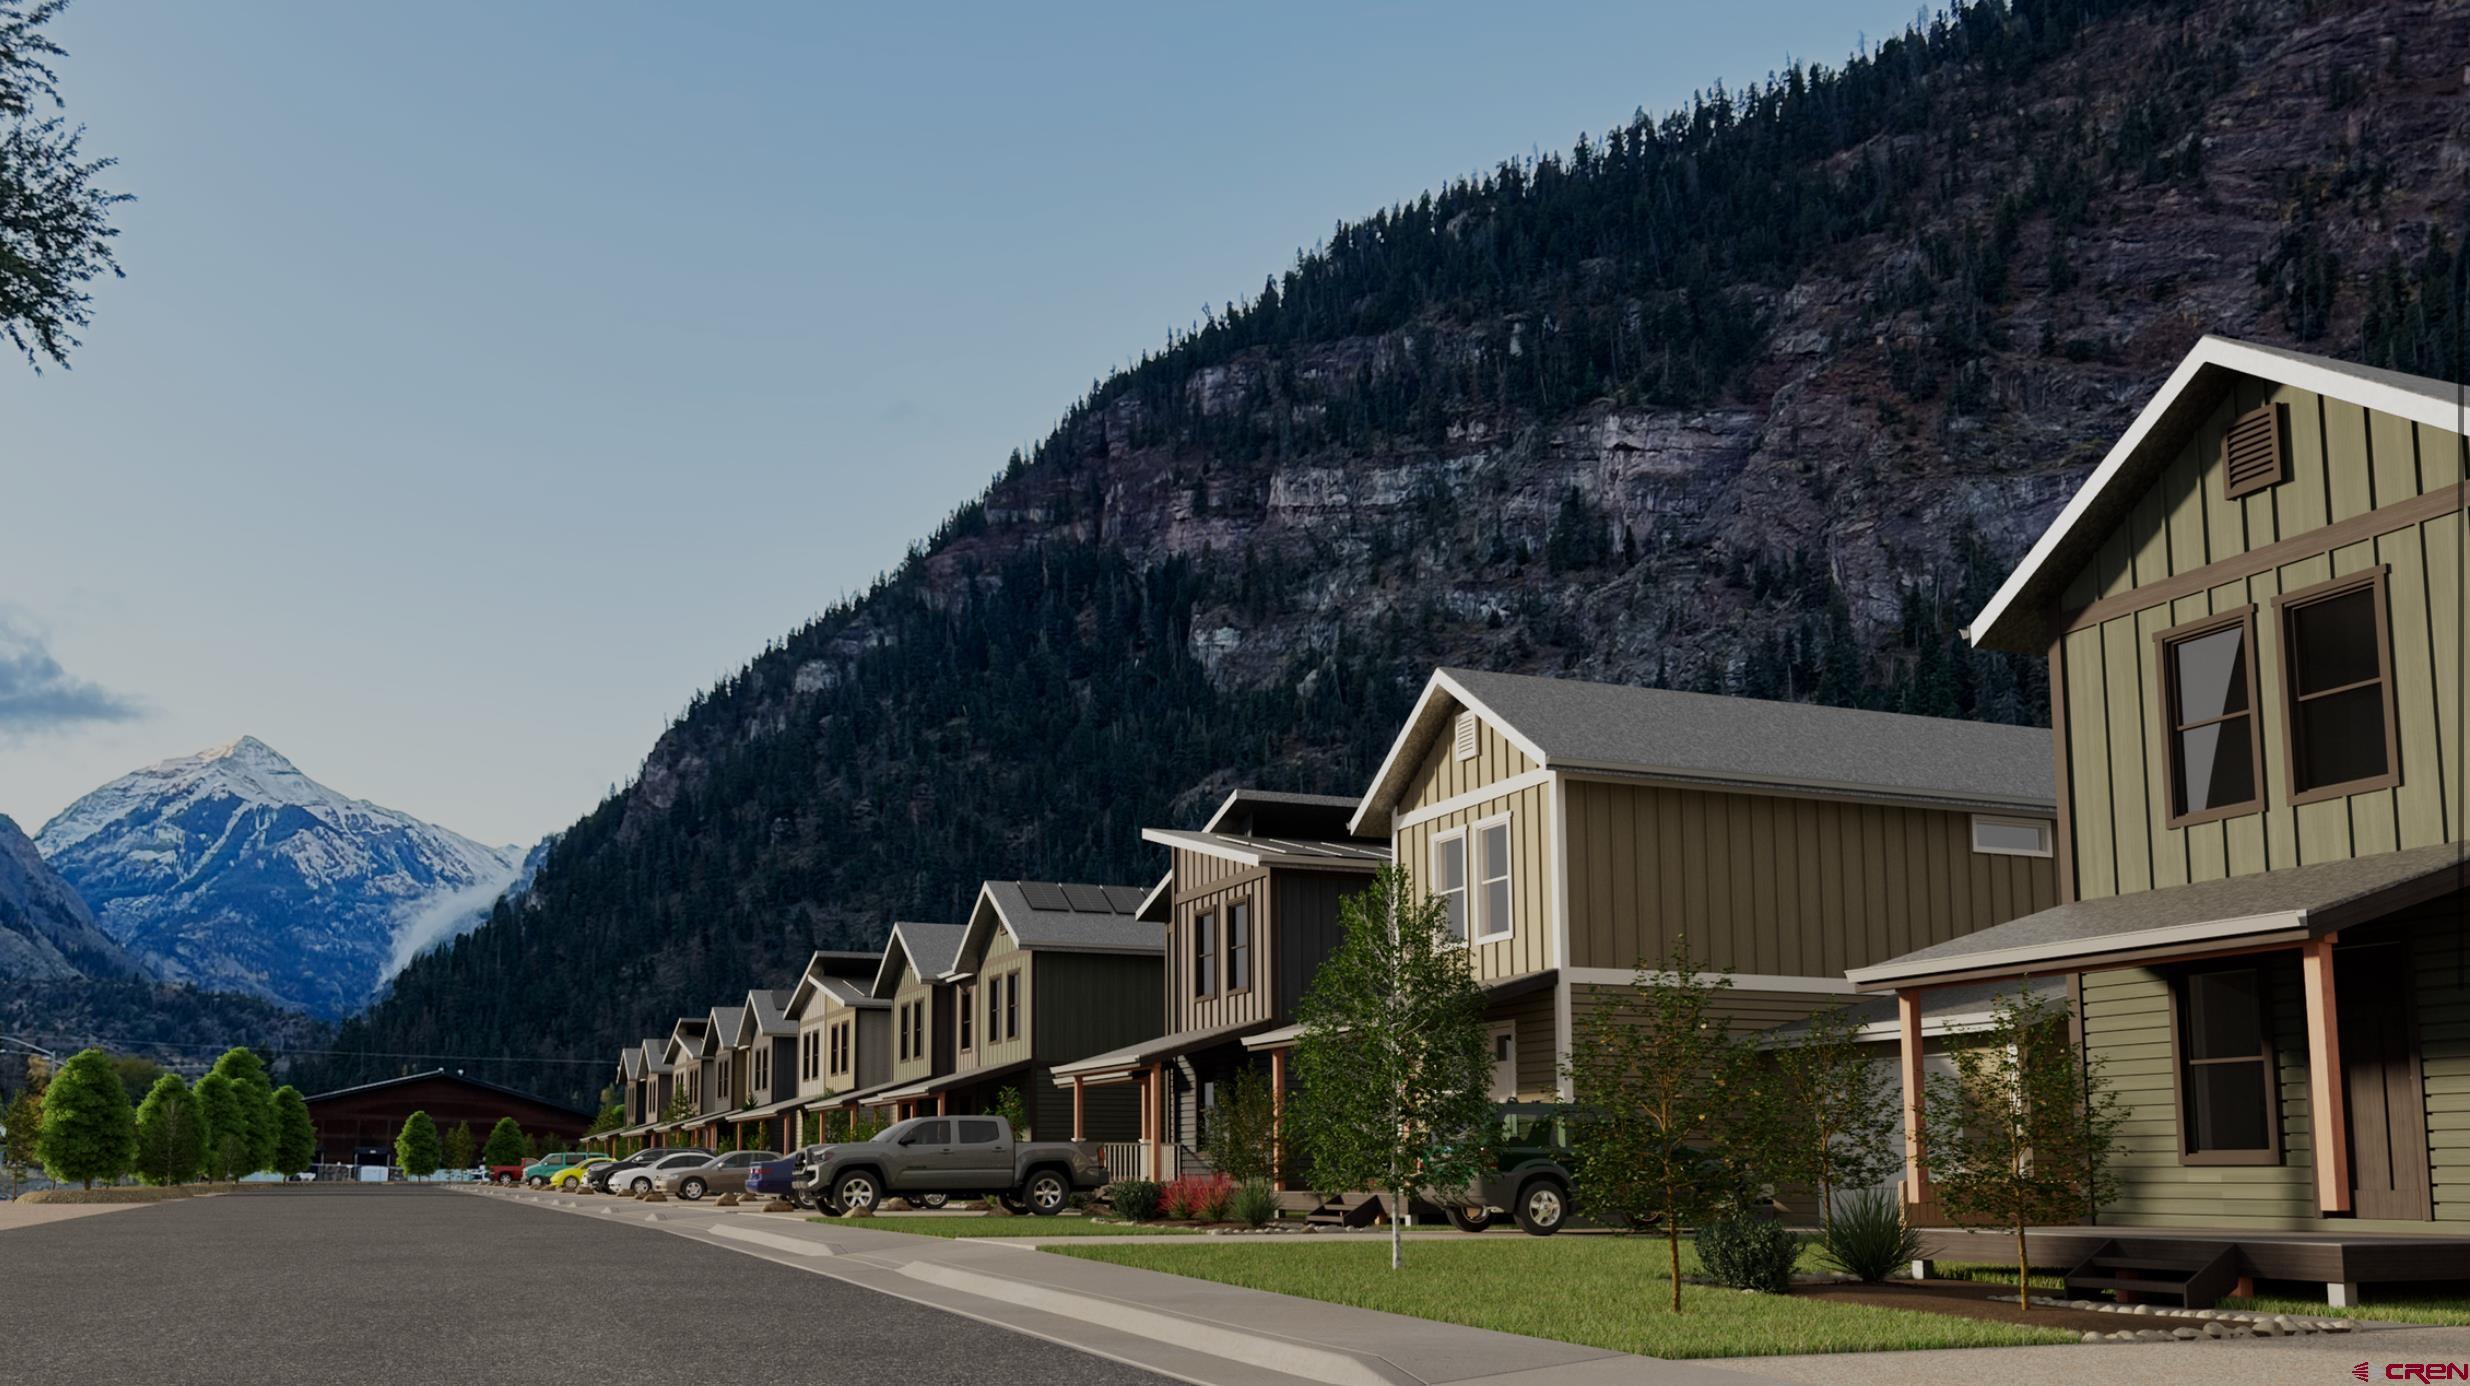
[488, 378]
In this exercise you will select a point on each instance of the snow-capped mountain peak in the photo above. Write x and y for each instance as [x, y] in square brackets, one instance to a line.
[234, 869]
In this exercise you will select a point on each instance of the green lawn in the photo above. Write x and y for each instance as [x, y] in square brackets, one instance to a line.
[1607, 1292]
[989, 1225]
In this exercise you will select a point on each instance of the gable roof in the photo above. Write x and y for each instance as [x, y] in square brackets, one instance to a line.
[1070, 918]
[927, 949]
[2017, 616]
[814, 986]
[765, 1013]
[1276, 813]
[725, 1020]
[438, 1073]
[1714, 742]
[630, 1063]
[655, 1056]
[688, 1035]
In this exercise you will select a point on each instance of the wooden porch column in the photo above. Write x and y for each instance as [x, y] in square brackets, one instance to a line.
[1079, 1099]
[1156, 1097]
[1277, 1118]
[943, 1104]
[1908, 1063]
[2328, 1120]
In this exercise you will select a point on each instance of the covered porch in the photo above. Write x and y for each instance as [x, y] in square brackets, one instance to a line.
[2292, 1053]
[1157, 1150]
[760, 1125]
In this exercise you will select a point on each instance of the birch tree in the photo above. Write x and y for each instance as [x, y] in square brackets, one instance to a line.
[1392, 1073]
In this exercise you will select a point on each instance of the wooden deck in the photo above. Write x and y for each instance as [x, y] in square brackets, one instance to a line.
[2329, 1257]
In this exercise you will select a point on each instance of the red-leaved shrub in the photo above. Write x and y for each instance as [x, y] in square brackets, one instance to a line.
[1197, 1197]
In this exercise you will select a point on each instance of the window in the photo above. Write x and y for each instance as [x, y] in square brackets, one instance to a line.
[1492, 915]
[1449, 882]
[1012, 1005]
[931, 1133]
[967, 1132]
[1205, 955]
[2229, 1103]
[1239, 947]
[2011, 837]
[2337, 670]
[968, 1008]
[2208, 676]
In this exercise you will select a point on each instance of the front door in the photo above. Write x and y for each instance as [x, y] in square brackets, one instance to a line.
[2387, 1101]
[1504, 1062]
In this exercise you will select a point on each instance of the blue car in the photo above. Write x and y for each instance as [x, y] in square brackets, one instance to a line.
[771, 1178]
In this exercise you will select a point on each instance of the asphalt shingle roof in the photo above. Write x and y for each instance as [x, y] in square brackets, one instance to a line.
[1105, 918]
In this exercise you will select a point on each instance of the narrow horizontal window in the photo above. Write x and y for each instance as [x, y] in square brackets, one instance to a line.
[2011, 837]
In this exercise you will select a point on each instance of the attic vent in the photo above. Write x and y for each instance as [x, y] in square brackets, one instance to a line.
[2253, 453]
[1466, 736]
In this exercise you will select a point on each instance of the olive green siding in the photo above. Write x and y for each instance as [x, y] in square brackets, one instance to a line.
[1003, 961]
[870, 1046]
[2127, 1035]
[1779, 886]
[2344, 462]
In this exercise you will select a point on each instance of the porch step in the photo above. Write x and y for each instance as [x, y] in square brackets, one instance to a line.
[1347, 1210]
[2196, 1280]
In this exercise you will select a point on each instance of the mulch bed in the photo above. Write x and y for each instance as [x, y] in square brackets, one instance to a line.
[1972, 1300]
[110, 1195]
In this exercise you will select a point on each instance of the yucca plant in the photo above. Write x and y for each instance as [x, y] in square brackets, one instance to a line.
[1868, 1238]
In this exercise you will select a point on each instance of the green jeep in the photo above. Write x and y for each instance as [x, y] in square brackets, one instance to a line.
[1527, 1176]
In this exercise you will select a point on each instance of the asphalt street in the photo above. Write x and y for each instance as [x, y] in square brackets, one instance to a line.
[423, 1285]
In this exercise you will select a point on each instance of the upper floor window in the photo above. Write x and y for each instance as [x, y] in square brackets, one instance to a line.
[2229, 1092]
[1012, 1005]
[994, 1010]
[1239, 946]
[1449, 882]
[2337, 671]
[2208, 676]
[1205, 955]
[968, 1008]
[2011, 837]
[1492, 913]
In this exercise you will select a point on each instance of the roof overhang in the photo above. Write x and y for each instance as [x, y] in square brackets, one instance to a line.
[832, 1100]
[1256, 851]
[1116, 1065]
[2018, 611]
[768, 1109]
[1423, 727]
[1153, 908]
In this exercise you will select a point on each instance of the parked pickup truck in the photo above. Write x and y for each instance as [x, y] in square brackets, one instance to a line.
[961, 1157]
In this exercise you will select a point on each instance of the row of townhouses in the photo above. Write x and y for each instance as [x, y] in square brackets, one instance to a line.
[2237, 857]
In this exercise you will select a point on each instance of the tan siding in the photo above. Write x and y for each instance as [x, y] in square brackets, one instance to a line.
[1529, 946]
[1888, 880]
[1211, 896]
[1444, 776]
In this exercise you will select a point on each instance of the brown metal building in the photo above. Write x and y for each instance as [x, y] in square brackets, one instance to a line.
[358, 1125]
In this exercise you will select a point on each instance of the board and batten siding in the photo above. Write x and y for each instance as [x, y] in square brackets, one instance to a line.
[1089, 1003]
[935, 1056]
[1442, 777]
[1208, 884]
[1776, 885]
[1003, 959]
[2127, 1033]
[2345, 462]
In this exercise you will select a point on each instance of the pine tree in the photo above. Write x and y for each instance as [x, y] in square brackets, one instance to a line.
[171, 1136]
[248, 1074]
[295, 1135]
[223, 1111]
[417, 1148]
[89, 1133]
[506, 1144]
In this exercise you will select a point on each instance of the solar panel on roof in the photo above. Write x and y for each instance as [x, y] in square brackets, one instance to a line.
[1126, 899]
[1088, 899]
[1044, 895]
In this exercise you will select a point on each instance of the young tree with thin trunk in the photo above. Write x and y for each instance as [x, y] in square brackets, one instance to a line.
[171, 1136]
[461, 1146]
[1653, 1070]
[2024, 1130]
[295, 1135]
[221, 1109]
[89, 1133]
[417, 1148]
[1819, 1114]
[25, 1122]
[1241, 1140]
[248, 1074]
[1392, 1070]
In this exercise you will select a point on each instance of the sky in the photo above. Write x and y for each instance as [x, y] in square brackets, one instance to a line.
[489, 378]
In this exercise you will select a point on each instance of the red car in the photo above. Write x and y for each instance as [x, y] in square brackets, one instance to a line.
[507, 1174]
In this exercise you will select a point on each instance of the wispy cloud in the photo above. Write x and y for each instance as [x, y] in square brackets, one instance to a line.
[37, 695]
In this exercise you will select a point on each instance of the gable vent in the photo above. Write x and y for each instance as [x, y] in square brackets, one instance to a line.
[1466, 736]
[2253, 455]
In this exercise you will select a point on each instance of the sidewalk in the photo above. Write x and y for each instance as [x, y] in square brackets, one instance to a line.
[2324, 1358]
[1194, 1330]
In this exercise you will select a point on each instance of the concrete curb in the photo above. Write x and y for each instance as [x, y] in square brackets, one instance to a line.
[796, 1246]
[1333, 1366]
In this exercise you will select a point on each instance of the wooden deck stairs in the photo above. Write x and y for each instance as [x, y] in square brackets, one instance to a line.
[1346, 1210]
[2192, 1275]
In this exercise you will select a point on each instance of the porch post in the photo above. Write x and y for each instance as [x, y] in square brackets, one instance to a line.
[1908, 1061]
[1079, 1093]
[1157, 1121]
[1277, 1118]
[943, 1106]
[2328, 1120]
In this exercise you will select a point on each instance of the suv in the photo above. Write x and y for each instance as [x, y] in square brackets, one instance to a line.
[720, 1174]
[1527, 1173]
[957, 1156]
[538, 1173]
[615, 1178]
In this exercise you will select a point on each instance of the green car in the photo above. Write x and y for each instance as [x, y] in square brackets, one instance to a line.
[538, 1173]
[1528, 1173]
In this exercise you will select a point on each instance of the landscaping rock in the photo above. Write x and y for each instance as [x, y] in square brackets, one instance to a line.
[727, 1200]
[2339, 1326]
[2215, 1330]
[778, 1205]
[656, 1196]
[2185, 1335]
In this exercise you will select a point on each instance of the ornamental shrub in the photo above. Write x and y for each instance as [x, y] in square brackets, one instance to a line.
[1199, 1197]
[1868, 1238]
[1255, 1204]
[1136, 1200]
[1749, 1251]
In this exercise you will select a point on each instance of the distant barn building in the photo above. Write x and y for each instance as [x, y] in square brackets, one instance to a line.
[358, 1125]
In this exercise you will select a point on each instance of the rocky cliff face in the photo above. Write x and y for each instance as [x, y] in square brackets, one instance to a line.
[1762, 398]
[46, 932]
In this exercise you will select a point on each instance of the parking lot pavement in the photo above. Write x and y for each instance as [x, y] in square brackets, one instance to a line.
[363, 1285]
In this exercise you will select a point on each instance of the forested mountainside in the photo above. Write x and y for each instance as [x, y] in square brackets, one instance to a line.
[1762, 395]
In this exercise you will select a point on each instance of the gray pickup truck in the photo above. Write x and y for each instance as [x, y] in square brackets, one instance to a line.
[958, 1156]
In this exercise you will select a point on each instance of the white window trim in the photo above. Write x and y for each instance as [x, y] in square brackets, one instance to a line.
[2043, 826]
[1466, 876]
[1480, 929]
